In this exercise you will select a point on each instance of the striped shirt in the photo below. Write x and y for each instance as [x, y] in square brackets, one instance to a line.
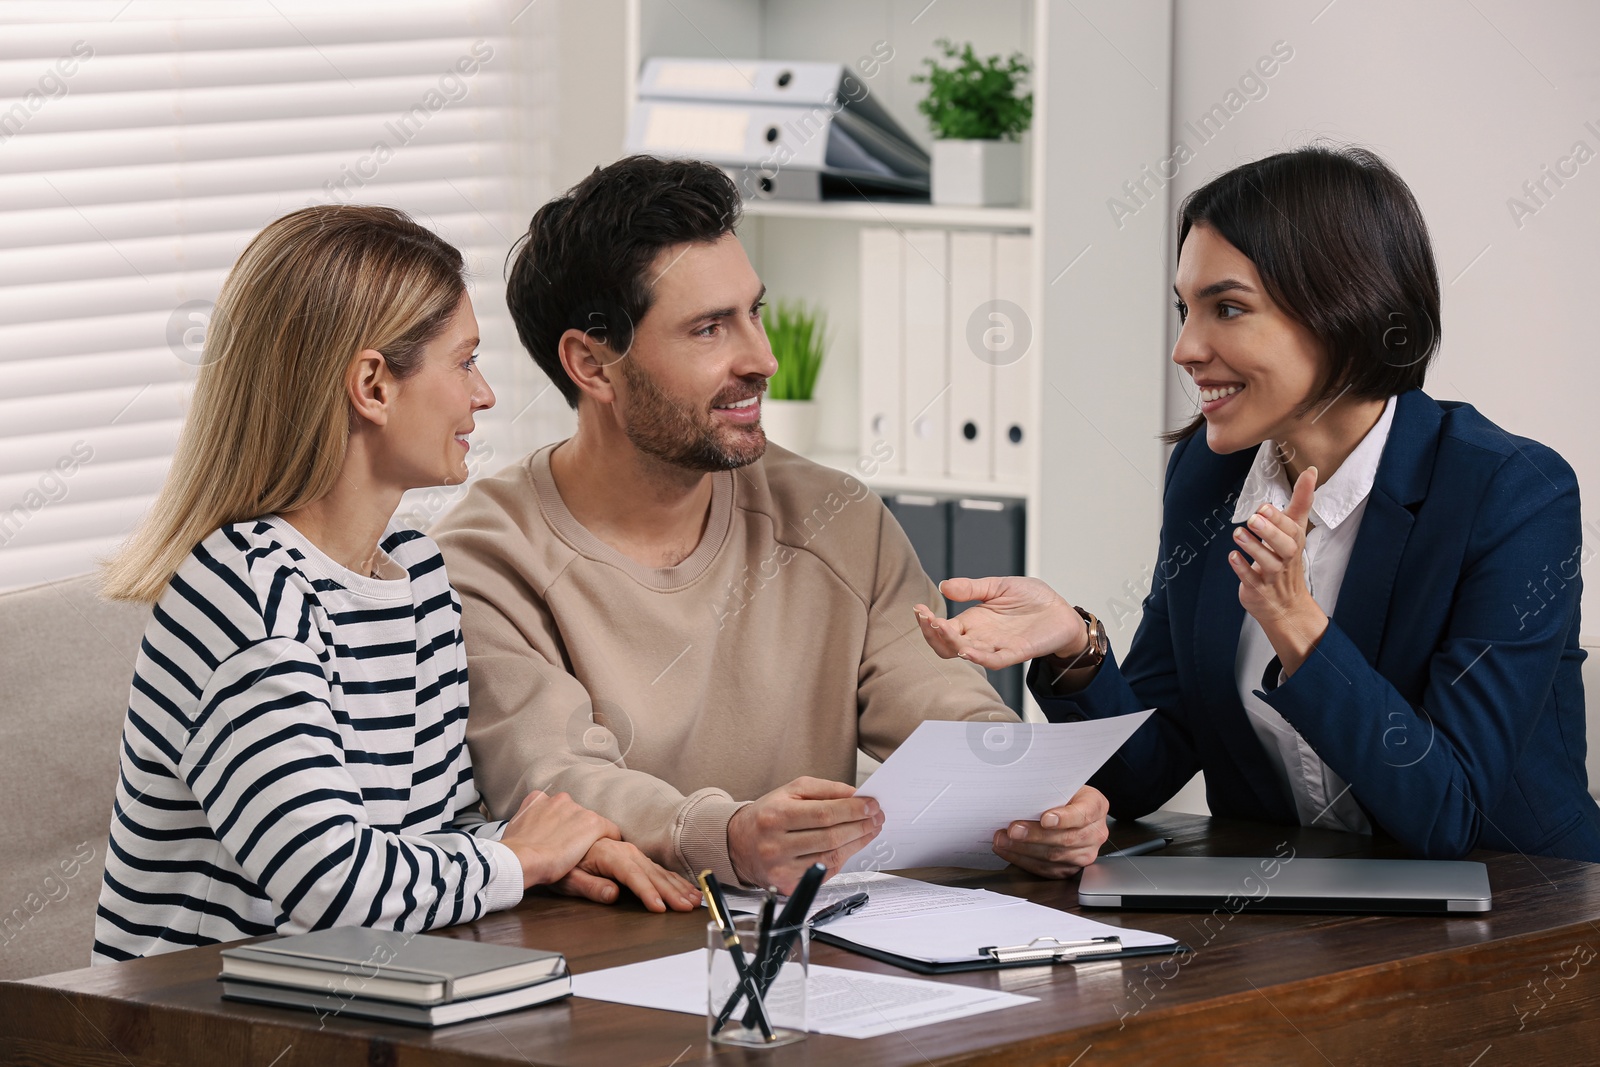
[294, 753]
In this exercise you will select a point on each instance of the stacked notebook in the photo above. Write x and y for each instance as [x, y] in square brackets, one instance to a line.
[393, 976]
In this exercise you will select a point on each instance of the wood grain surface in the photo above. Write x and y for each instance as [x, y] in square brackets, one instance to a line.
[1517, 985]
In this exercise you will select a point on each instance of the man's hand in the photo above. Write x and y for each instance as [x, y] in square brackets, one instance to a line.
[608, 862]
[771, 841]
[1062, 842]
[1015, 620]
[550, 835]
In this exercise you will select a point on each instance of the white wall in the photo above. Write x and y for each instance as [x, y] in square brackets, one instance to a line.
[572, 111]
[1104, 350]
[1467, 101]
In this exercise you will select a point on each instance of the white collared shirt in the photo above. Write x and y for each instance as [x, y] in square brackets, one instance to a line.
[1321, 797]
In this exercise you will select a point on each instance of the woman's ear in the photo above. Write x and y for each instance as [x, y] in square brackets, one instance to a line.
[369, 386]
[590, 364]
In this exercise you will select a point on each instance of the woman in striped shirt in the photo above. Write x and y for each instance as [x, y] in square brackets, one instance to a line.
[294, 755]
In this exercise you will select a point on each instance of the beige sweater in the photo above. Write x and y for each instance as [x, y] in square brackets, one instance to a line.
[665, 698]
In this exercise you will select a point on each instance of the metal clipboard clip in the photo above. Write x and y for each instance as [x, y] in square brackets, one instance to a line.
[1053, 950]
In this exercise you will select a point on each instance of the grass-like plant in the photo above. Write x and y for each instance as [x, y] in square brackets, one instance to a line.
[976, 99]
[798, 336]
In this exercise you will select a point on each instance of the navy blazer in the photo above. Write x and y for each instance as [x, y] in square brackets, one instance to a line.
[1446, 690]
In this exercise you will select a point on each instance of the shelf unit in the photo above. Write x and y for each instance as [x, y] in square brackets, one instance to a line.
[1101, 335]
[890, 213]
[888, 482]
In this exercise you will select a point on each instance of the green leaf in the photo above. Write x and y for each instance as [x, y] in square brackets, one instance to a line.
[798, 336]
[975, 99]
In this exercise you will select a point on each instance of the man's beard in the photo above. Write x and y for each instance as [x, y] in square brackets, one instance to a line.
[678, 433]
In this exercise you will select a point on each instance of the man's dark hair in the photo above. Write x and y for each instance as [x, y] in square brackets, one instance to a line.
[584, 263]
[1340, 245]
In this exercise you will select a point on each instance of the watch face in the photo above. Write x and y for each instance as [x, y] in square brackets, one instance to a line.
[1095, 654]
[1097, 640]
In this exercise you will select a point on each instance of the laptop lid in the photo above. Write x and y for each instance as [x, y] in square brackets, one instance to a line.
[1189, 883]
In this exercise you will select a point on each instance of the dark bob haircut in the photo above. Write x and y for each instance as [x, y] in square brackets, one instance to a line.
[1340, 245]
[584, 262]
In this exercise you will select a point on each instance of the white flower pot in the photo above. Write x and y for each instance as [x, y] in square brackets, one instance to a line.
[791, 424]
[977, 173]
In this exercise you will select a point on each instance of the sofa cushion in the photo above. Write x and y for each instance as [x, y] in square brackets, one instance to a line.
[66, 661]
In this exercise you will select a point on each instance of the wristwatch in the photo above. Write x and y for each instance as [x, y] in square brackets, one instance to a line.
[1093, 655]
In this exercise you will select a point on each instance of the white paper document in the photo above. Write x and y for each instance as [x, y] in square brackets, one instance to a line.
[839, 1002]
[951, 785]
[888, 895]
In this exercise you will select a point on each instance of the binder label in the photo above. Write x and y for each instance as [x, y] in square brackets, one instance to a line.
[686, 128]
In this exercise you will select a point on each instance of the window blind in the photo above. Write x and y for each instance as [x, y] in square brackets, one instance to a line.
[143, 144]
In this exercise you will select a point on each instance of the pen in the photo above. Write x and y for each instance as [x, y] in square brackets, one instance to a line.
[1054, 951]
[765, 925]
[848, 906]
[1153, 845]
[787, 929]
[730, 941]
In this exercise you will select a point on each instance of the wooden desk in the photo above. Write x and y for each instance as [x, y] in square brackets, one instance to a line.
[1259, 988]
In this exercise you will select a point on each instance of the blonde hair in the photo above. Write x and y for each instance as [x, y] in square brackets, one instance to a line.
[269, 422]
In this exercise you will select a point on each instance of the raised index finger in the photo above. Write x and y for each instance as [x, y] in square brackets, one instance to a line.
[1300, 502]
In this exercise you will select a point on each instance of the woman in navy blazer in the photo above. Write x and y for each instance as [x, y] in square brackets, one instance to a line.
[1439, 698]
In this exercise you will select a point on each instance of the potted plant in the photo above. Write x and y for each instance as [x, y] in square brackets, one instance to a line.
[977, 112]
[798, 336]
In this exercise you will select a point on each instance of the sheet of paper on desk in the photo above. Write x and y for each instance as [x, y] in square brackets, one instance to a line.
[888, 895]
[951, 785]
[840, 1002]
[958, 935]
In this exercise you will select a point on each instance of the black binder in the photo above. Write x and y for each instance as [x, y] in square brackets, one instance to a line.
[986, 539]
[926, 521]
[969, 538]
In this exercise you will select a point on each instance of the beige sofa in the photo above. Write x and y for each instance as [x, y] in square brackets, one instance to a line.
[66, 659]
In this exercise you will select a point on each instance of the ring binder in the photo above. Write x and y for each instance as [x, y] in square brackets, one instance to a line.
[1053, 950]
[782, 130]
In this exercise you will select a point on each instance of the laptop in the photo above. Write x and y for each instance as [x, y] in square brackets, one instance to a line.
[1361, 886]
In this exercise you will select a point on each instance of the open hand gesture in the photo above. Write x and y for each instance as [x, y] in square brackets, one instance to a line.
[1017, 619]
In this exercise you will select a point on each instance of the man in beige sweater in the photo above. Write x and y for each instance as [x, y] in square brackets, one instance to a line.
[687, 630]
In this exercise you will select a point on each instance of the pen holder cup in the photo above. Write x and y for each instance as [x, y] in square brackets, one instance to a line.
[734, 973]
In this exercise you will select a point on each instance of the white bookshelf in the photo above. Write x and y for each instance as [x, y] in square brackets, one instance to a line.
[1101, 111]
[891, 482]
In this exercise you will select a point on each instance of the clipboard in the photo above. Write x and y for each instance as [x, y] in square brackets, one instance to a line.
[1040, 951]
